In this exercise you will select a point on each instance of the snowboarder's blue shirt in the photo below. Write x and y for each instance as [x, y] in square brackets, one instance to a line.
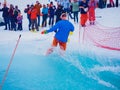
[63, 28]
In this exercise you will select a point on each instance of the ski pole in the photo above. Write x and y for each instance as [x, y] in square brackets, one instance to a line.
[6, 73]
[79, 33]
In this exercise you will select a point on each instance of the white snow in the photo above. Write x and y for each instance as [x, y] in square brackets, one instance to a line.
[110, 18]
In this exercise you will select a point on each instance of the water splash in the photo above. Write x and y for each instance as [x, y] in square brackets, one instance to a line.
[88, 72]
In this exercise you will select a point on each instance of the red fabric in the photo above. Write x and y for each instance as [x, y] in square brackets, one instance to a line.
[38, 7]
[111, 1]
[83, 18]
[33, 13]
[92, 14]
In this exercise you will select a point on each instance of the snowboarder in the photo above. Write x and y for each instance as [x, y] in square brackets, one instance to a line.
[63, 27]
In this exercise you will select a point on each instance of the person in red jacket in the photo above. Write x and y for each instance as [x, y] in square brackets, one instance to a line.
[33, 17]
[38, 6]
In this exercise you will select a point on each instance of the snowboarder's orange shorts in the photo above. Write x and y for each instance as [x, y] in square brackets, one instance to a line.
[62, 44]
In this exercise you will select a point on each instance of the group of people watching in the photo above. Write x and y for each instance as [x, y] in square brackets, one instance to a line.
[13, 18]
[108, 3]
[34, 12]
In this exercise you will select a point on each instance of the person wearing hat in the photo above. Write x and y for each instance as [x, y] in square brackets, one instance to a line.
[63, 27]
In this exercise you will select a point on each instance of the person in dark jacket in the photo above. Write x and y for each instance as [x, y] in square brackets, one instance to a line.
[26, 10]
[15, 12]
[5, 16]
[58, 13]
[84, 12]
[12, 18]
[51, 11]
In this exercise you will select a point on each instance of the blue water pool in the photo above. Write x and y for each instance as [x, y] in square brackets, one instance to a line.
[76, 70]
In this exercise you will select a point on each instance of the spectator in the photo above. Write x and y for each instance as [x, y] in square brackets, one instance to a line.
[26, 10]
[58, 13]
[44, 15]
[83, 11]
[19, 21]
[5, 16]
[38, 6]
[91, 11]
[12, 17]
[16, 11]
[33, 17]
[51, 9]
[75, 10]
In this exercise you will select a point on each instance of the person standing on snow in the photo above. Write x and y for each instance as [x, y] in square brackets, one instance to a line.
[75, 10]
[51, 12]
[44, 15]
[91, 11]
[12, 18]
[5, 16]
[19, 21]
[33, 17]
[63, 27]
[26, 10]
[58, 13]
[38, 6]
[83, 11]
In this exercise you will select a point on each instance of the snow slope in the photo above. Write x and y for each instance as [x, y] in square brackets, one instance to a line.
[83, 68]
